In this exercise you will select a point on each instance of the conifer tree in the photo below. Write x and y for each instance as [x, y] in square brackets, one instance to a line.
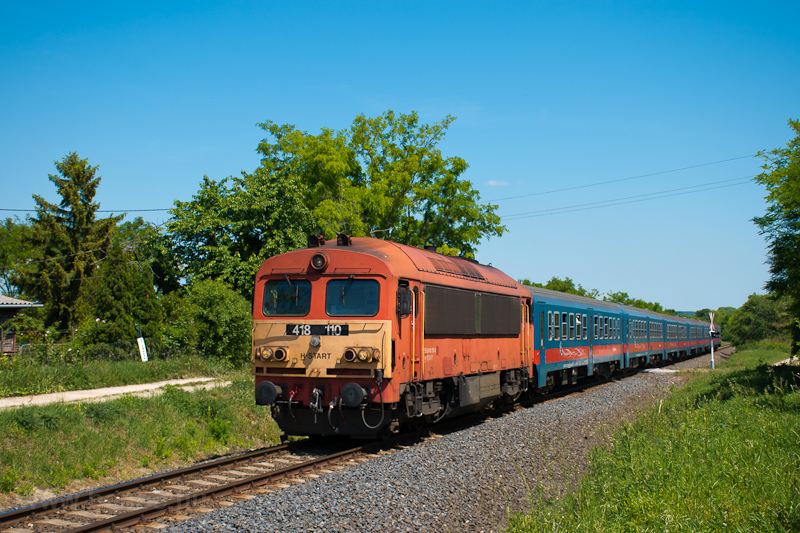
[122, 299]
[68, 241]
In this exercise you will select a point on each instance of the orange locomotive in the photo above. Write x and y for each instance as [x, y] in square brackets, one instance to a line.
[360, 336]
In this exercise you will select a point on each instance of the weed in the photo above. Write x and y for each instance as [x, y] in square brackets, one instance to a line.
[220, 430]
[9, 480]
[162, 450]
[26, 418]
[104, 412]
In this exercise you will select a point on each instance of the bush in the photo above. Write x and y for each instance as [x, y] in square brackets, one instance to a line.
[223, 321]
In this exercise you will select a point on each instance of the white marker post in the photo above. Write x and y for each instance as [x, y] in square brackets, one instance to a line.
[142, 349]
[711, 334]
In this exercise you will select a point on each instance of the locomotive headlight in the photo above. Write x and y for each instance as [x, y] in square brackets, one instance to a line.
[280, 354]
[376, 355]
[266, 354]
[363, 355]
[349, 355]
[319, 261]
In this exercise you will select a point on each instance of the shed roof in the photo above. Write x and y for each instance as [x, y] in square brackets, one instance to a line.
[7, 302]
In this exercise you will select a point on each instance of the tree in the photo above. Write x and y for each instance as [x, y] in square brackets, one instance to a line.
[66, 241]
[623, 298]
[761, 317]
[231, 226]
[384, 177]
[13, 255]
[120, 300]
[781, 224]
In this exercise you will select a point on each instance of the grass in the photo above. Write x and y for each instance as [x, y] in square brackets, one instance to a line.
[21, 375]
[722, 454]
[62, 446]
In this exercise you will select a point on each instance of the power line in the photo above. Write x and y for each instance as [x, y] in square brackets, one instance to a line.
[628, 199]
[98, 211]
[597, 184]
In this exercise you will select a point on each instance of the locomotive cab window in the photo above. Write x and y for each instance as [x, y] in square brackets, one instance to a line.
[287, 297]
[352, 297]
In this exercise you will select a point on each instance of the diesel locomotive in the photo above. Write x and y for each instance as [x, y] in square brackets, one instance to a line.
[361, 336]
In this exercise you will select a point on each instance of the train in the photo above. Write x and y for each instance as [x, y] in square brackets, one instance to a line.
[362, 337]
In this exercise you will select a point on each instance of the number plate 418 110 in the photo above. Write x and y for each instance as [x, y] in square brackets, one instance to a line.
[318, 329]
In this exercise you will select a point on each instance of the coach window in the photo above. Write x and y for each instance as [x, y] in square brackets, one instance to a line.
[595, 327]
[617, 329]
[287, 297]
[605, 327]
[556, 327]
[564, 326]
[352, 297]
[572, 326]
[549, 325]
[585, 328]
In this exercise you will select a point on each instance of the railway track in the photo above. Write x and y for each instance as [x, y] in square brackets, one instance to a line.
[140, 501]
[165, 497]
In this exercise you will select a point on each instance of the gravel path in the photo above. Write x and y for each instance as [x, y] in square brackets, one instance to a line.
[461, 482]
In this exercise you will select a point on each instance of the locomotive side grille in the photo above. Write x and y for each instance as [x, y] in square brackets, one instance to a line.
[459, 312]
[449, 311]
[499, 315]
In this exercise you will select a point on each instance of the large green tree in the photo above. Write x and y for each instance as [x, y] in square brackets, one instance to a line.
[67, 241]
[780, 225]
[384, 177]
[231, 226]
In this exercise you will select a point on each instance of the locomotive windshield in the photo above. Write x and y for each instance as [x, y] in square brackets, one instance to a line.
[351, 297]
[287, 297]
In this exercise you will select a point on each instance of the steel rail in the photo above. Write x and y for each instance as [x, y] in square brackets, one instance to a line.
[143, 515]
[17, 515]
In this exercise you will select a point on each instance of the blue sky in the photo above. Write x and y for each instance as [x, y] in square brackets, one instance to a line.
[549, 96]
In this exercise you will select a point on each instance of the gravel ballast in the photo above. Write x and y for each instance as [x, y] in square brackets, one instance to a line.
[468, 480]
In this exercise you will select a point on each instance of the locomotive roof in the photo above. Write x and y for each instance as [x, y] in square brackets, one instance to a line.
[416, 263]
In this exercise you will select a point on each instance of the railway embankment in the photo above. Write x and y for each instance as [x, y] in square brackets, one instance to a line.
[473, 479]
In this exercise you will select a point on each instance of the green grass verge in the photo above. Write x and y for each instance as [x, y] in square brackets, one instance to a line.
[722, 454]
[62, 446]
[20, 376]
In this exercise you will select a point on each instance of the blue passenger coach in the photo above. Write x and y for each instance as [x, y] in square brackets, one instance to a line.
[575, 337]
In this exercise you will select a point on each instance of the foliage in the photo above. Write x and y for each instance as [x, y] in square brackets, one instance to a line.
[761, 317]
[122, 300]
[781, 223]
[719, 455]
[564, 285]
[230, 227]
[13, 234]
[223, 319]
[66, 242]
[568, 286]
[384, 177]
[623, 298]
[150, 248]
